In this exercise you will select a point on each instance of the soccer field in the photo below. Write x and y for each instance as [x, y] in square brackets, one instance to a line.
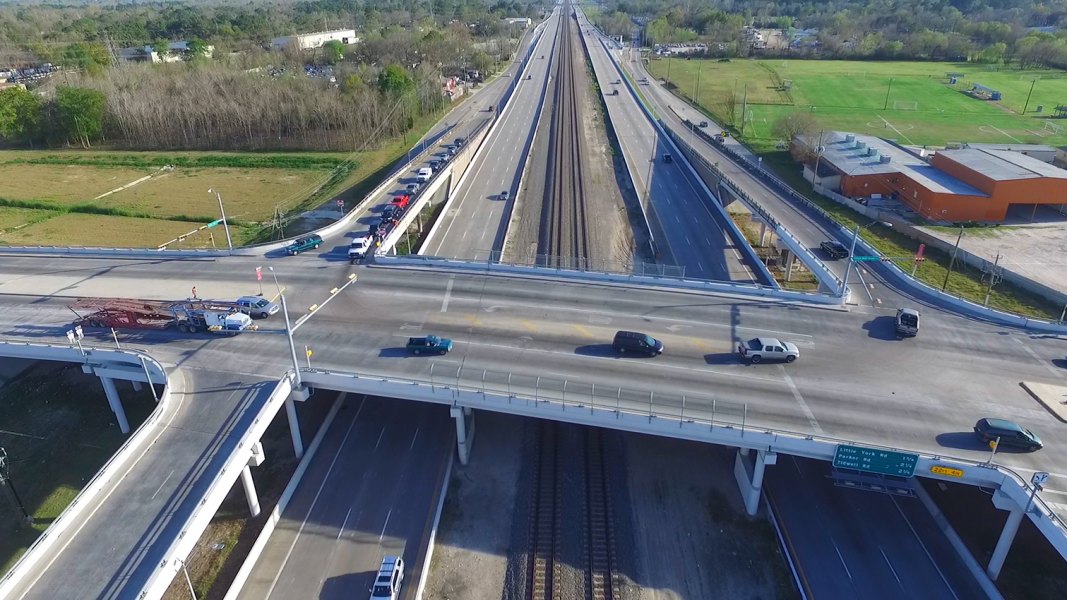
[913, 102]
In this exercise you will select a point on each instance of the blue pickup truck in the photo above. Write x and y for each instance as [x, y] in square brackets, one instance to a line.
[430, 344]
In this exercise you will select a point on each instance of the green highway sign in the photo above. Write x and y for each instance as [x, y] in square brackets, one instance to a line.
[214, 223]
[870, 460]
[868, 258]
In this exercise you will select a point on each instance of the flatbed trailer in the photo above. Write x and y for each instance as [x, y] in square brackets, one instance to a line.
[187, 316]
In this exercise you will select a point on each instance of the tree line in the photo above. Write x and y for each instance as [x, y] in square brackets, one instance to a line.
[211, 106]
[988, 31]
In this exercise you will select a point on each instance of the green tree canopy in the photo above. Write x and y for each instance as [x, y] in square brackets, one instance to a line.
[79, 114]
[20, 115]
[395, 80]
[334, 52]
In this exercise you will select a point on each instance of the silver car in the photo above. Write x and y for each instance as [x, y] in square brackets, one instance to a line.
[764, 348]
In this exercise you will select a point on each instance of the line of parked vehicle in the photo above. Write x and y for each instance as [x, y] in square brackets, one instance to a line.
[389, 216]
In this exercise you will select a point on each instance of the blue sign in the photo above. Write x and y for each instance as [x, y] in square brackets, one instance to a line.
[866, 258]
[870, 460]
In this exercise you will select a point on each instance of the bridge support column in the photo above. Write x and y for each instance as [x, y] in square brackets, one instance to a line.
[294, 427]
[749, 475]
[1007, 536]
[254, 460]
[113, 399]
[790, 260]
[762, 233]
[464, 432]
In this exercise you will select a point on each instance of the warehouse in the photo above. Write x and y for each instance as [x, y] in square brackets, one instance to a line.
[969, 184]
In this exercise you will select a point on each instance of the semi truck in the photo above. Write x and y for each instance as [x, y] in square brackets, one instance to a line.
[191, 316]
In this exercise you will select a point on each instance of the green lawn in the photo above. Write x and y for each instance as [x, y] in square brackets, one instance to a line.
[912, 102]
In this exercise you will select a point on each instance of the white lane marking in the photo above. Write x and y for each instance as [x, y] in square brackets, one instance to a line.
[344, 524]
[891, 569]
[380, 436]
[385, 525]
[163, 484]
[925, 549]
[800, 400]
[842, 559]
[413, 438]
[866, 288]
[1044, 363]
[448, 293]
[314, 501]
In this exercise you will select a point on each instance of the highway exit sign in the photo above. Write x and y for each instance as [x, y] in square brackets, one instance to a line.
[871, 460]
[866, 258]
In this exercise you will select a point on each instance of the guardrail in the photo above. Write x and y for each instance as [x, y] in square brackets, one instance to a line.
[663, 281]
[114, 469]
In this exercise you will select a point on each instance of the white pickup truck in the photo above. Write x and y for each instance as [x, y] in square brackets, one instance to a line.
[423, 174]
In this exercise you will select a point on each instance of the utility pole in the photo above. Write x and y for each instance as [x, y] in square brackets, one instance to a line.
[953, 260]
[1025, 106]
[696, 87]
[744, 110]
[994, 278]
[886, 107]
[5, 480]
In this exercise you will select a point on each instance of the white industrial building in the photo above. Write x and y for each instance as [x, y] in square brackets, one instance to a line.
[176, 51]
[307, 41]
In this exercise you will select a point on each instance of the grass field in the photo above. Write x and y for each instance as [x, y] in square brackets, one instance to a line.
[50, 197]
[58, 431]
[912, 102]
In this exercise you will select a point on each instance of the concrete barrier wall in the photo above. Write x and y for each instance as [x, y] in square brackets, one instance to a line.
[715, 287]
[70, 521]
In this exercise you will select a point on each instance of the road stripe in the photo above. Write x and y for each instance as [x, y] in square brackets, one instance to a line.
[800, 400]
[448, 293]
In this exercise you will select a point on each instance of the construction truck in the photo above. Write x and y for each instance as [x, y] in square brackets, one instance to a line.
[191, 316]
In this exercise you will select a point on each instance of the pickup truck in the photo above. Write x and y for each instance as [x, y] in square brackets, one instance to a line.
[834, 249]
[430, 344]
[765, 348]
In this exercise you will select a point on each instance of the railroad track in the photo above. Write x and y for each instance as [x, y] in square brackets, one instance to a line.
[597, 574]
[542, 572]
[564, 239]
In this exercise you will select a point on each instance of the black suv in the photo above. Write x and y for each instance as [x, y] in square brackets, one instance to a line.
[834, 249]
[637, 343]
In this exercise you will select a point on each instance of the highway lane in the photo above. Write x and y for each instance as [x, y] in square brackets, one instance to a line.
[685, 229]
[475, 223]
[120, 545]
[861, 544]
[369, 492]
[868, 288]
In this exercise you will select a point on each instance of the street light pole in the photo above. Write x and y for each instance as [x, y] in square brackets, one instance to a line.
[225, 223]
[288, 327]
[851, 258]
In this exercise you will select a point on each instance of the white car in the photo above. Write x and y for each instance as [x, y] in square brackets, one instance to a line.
[765, 348]
[390, 576]
[257, 306]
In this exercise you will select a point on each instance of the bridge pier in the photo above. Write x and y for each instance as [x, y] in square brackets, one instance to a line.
[299, 394]
[254, 460]
[464, 432]
[136, 385]
[1007, 536]
[790, 260]
[113, 399]
[749, 475]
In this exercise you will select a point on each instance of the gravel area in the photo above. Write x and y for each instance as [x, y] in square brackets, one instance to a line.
[471, 552]
[680, 531]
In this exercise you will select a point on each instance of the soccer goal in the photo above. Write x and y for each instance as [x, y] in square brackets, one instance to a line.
[905, 105]
[1055, 128]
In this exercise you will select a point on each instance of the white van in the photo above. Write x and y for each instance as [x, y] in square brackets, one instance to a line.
[424, 175]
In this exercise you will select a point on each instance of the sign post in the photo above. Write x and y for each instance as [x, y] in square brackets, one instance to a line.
[918, 258]
[259, 278]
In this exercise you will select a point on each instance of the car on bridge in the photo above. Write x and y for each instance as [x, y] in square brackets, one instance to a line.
[759, 349]
[256, 306]
[359, 247]
[309, 242]
[390, 576]
[430, 344]
[1007, 433]
[637, 343]
[834, 249]
[412, 188]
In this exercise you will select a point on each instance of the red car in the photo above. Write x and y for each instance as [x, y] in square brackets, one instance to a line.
[401, 201]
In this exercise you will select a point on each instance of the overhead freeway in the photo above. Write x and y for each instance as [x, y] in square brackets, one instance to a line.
[853, 382]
